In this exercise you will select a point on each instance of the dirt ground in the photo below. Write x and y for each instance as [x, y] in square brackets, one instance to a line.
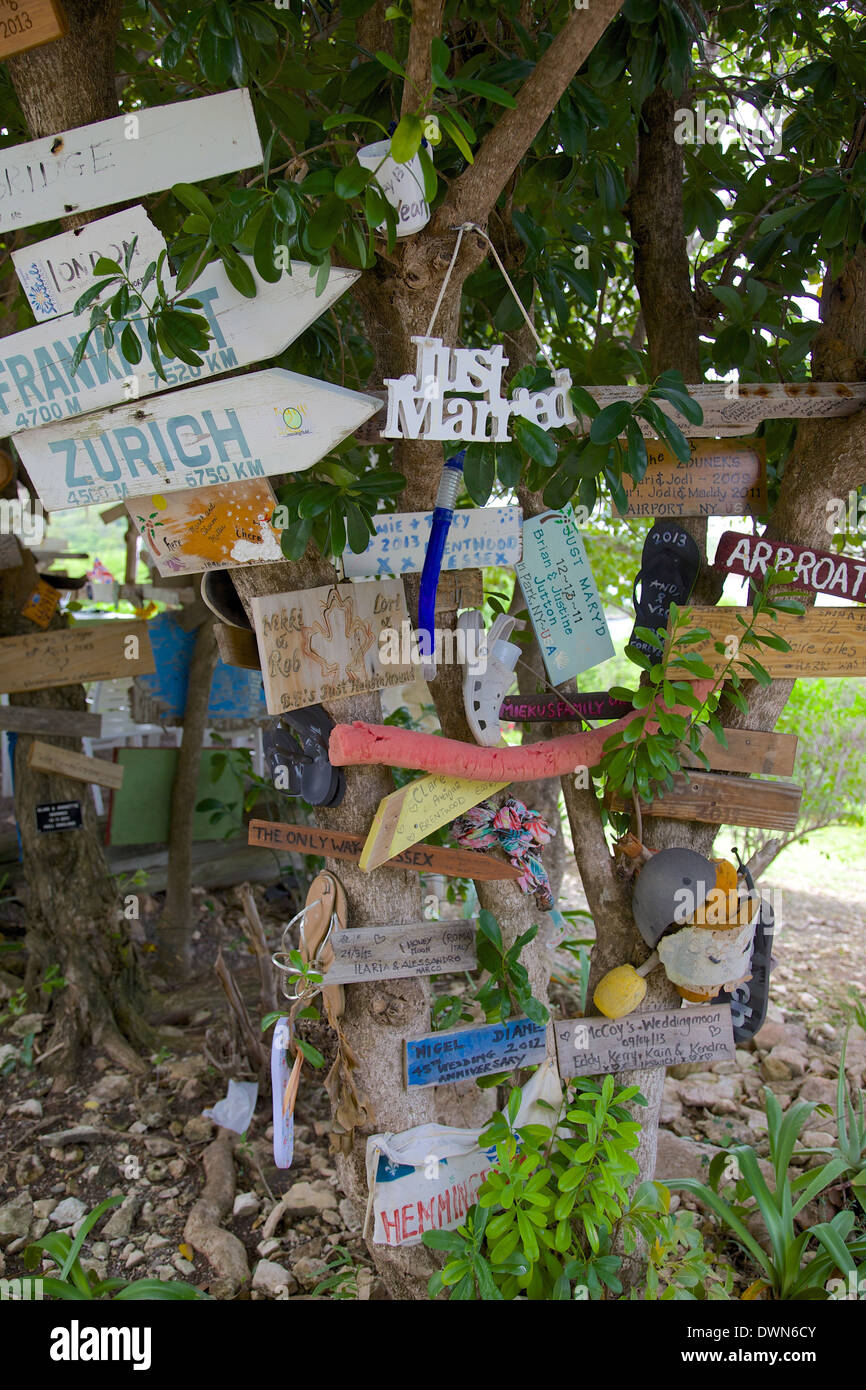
[144, 1138]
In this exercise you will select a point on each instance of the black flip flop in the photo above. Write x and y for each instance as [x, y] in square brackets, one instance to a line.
[669, 567]
[749, 1001]
[298, 741]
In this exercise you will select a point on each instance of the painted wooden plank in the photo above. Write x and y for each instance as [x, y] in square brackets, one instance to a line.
[476, 1050]
[737, 408]
[524, 709]
[262, 423]
[127, 156]
[37, 385]
[320, 644]
[824, 641]
[562, 596]
[722, 478]
[47, 757]
[113, 513]
[748, 750]
[209, 528]
[41, 660]
[41, 604]
[716, 799]
[26, 24]
[651, 1038]
[477, 536]
[420, 859]
[161, 697]
[818, 571]
[237, 646]
[416, 810]
[402, 952]
[56, 272]
[72, 723]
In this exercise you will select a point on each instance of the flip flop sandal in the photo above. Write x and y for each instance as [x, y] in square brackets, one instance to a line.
[483, 692]
[669, 567]
[310, 772]
[324, 912]
[221, 596]
[284, 1089]
[750, 1000]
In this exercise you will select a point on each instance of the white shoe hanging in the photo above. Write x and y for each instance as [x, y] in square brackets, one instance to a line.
[483, 690]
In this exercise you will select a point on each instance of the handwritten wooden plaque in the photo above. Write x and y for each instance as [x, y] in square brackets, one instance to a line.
[652, 1038]
[716, 799]
[722, 478]
[824, 641]
[46, 757]
[817, 571]
[736, 408]
[320, 644]
[420, 859]
[45, 659]
[208, 528]
[401, 952]
[477, 536]
[476, 1050]
[56, 272]
[26, 24]
[416, 810]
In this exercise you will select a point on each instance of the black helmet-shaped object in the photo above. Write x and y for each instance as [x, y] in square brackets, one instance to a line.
[658, 901]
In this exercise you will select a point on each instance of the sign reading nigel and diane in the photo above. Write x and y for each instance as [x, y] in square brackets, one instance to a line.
[263, 423]
[125, 157]
[477, 1050]
[562, 596]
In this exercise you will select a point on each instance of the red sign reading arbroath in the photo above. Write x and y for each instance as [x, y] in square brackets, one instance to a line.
[819, 571]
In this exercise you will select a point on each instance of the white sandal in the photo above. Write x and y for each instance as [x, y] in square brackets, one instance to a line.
[483, 692]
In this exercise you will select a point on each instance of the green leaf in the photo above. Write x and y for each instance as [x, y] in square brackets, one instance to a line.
[489, 927]
[610, 422]
[324, 226]
[538, 444]
[239, 273]
[351, 181]
[192, 197]
[130, 345]
[406, 140]
[312, 1054]
[478, 471]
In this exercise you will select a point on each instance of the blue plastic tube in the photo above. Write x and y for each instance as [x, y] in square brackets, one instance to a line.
[443, 511]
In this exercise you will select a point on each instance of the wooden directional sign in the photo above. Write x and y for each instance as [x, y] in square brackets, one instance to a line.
[747, 750]
[420, 859]
[562, 596]
[736, 408]
[477, 536]
[319, 644]
[722, 478]
[477, 1050]
[717, 799]
[222, 432]
[36, 381]
[653, 1038]
[73, 723]
[45, 659]
[818, 571]
[125, 157]
[209, 527]
[55, 273]
[824, 641]
[46, 757]
[416, 810]
[399, 953]
[524, 709]
[26, 24]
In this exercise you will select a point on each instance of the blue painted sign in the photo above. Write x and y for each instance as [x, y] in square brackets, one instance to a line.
[479, 1050]
[235, 693]
[562, 596]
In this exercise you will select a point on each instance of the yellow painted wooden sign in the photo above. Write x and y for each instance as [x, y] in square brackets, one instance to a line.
[407, 815]
[42, 604]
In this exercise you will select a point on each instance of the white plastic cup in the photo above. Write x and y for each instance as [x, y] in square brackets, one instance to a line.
[402, 185]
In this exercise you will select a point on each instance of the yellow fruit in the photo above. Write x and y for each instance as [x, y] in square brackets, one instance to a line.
[726, 874]
[619, 991]
[698, 996]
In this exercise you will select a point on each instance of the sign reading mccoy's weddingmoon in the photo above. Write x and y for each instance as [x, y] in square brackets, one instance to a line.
[653, 1038]
[55, 273]
[819, 571]
[126, 157]
[37, 385]
[222, 432]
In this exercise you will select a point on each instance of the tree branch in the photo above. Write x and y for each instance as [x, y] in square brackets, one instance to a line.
[474, 194]
[426, 25]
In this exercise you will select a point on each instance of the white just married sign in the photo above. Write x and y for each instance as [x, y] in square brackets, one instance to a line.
[249, 427]
[126, 157]
[428, 405]
[55, 273]
[37, 385]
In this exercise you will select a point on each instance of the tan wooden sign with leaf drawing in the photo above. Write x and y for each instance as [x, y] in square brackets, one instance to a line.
[45, 659]
[320, 644]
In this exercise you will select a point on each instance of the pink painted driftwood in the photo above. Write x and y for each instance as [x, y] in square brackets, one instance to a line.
[370, 744]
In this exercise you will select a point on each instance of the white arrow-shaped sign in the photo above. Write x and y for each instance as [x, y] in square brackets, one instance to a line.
[126, 157]
[37, 385]
[248, 427]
